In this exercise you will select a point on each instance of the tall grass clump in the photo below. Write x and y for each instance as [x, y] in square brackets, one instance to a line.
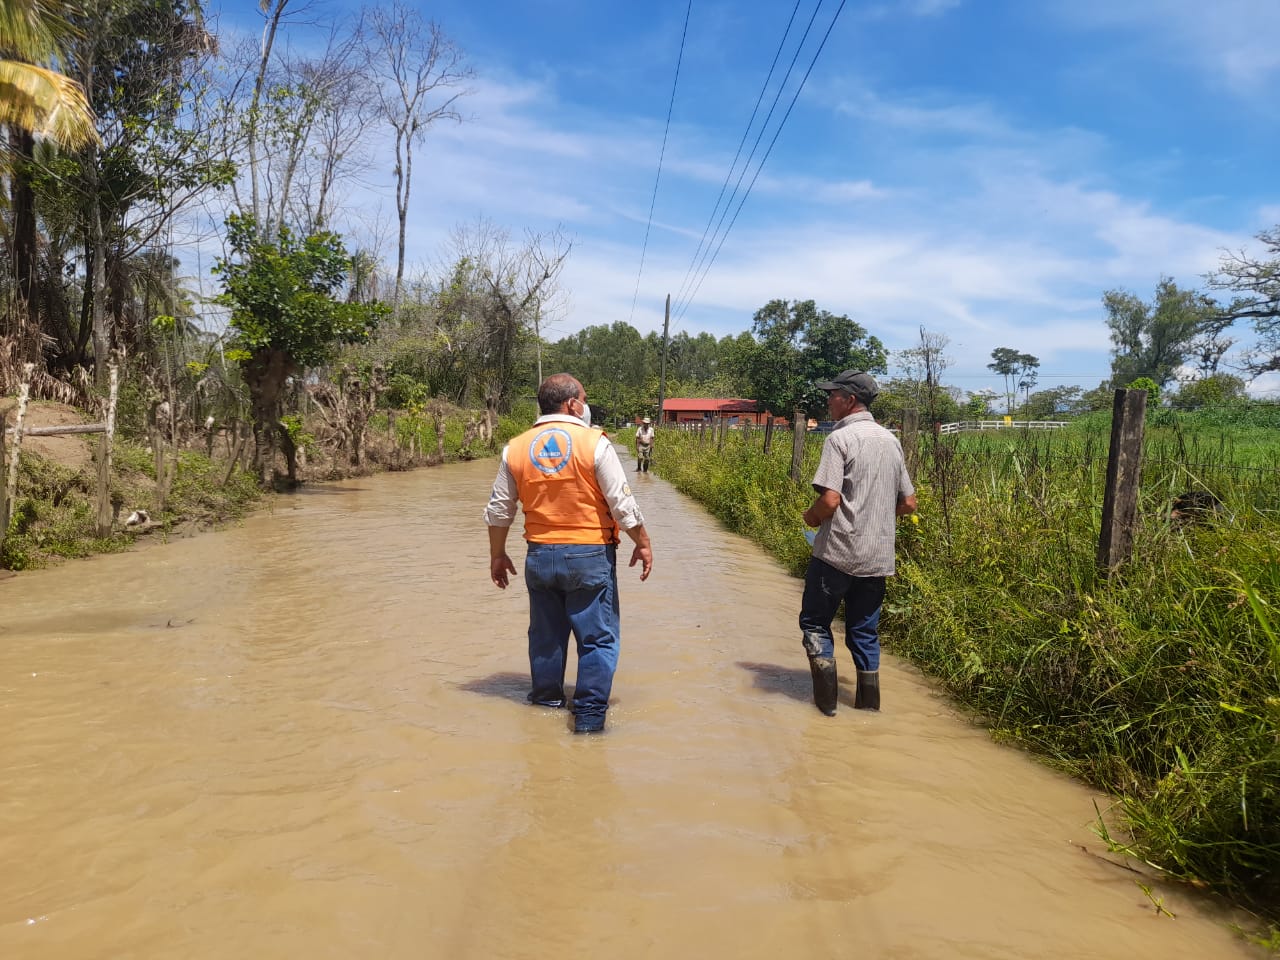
[1159, 683]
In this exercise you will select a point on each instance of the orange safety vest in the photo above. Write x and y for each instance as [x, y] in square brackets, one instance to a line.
[554, 466]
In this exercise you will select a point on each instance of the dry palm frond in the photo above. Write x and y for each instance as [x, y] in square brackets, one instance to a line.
[76, 391]
[45, 102]
[31, 29]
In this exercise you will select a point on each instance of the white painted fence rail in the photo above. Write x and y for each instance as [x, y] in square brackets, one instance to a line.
[965, 425]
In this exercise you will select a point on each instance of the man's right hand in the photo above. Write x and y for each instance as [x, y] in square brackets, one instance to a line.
[643, 556]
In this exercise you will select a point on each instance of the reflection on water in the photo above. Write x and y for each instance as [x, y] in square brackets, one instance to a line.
[307, 736]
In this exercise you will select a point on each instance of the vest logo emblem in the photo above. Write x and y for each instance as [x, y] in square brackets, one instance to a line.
[551, 450]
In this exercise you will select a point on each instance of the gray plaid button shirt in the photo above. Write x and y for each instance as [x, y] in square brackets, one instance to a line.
[863, 461]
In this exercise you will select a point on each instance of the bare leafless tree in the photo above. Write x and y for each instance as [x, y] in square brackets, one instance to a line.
[924, 365]
[501, 285]
[420, 73]
[305, 119]
[1256, 282]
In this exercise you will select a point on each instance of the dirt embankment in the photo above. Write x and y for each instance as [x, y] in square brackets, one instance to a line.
[72, 451]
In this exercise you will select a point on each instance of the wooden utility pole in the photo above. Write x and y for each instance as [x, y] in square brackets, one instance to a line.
[662, 366]
[1124, 467]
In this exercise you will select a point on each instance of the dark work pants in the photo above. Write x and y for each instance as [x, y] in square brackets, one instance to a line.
[824, 588]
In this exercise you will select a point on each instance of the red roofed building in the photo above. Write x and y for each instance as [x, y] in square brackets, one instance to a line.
[713, 410]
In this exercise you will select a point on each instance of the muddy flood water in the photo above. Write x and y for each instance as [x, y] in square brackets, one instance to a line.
[306, 736]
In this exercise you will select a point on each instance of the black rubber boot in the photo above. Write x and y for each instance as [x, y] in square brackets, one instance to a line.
[546, 698]
[868, 695]
[824, 683]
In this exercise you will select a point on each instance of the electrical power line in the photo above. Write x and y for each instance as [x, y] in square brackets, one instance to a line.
[662, 153]
[691, 272]
[764, 159]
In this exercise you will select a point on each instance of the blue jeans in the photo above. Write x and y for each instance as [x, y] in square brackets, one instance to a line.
[573, 587]
[824, 588]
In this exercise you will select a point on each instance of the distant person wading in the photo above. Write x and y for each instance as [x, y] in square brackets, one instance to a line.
[644, 445]
[567, 477]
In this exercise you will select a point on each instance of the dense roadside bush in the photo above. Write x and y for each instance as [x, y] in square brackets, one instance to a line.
[1160, 684]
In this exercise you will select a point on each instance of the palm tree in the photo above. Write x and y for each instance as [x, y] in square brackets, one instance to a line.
[35, 102]
[33, 98]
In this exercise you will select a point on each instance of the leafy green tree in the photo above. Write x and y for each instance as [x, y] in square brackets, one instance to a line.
[900, 394]
[1149, 385]
[1028, 374]
[1153, 340]
[1004, 361]
[978, 405]
[614, 365]
[1101, 397]
[1052, 404]
[289, 312]
[143, 64]
[1210, 391]
[795, 345]
[1019, 370]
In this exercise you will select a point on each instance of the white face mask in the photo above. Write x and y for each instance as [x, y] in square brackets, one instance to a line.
[586, 413]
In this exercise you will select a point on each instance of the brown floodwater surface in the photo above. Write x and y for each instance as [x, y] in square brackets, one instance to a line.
[306, 736]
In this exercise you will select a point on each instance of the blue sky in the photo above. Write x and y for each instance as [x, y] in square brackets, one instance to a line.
[984, 168]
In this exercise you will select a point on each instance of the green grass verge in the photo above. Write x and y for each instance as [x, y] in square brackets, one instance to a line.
[1160, 684]
[55, 514]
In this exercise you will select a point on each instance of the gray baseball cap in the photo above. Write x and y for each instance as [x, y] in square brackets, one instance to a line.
[861, 385]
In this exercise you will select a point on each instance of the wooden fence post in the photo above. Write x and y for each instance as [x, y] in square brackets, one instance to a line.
[11, 481]
[1124, 466]
[4, 487]
[768, 436]
[797, 445]
[104, 457]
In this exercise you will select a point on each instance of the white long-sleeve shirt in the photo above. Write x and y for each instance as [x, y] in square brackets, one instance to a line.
[610, 475]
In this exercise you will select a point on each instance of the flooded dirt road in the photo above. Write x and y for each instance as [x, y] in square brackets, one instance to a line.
[306, 737]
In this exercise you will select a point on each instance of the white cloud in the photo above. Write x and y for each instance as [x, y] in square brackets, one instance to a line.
[1269, 216]
[1267, 385]
[971, 119]
[1001, 237]
[910, 8]
[930, 8]
[976, 218]
[1233, 39]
